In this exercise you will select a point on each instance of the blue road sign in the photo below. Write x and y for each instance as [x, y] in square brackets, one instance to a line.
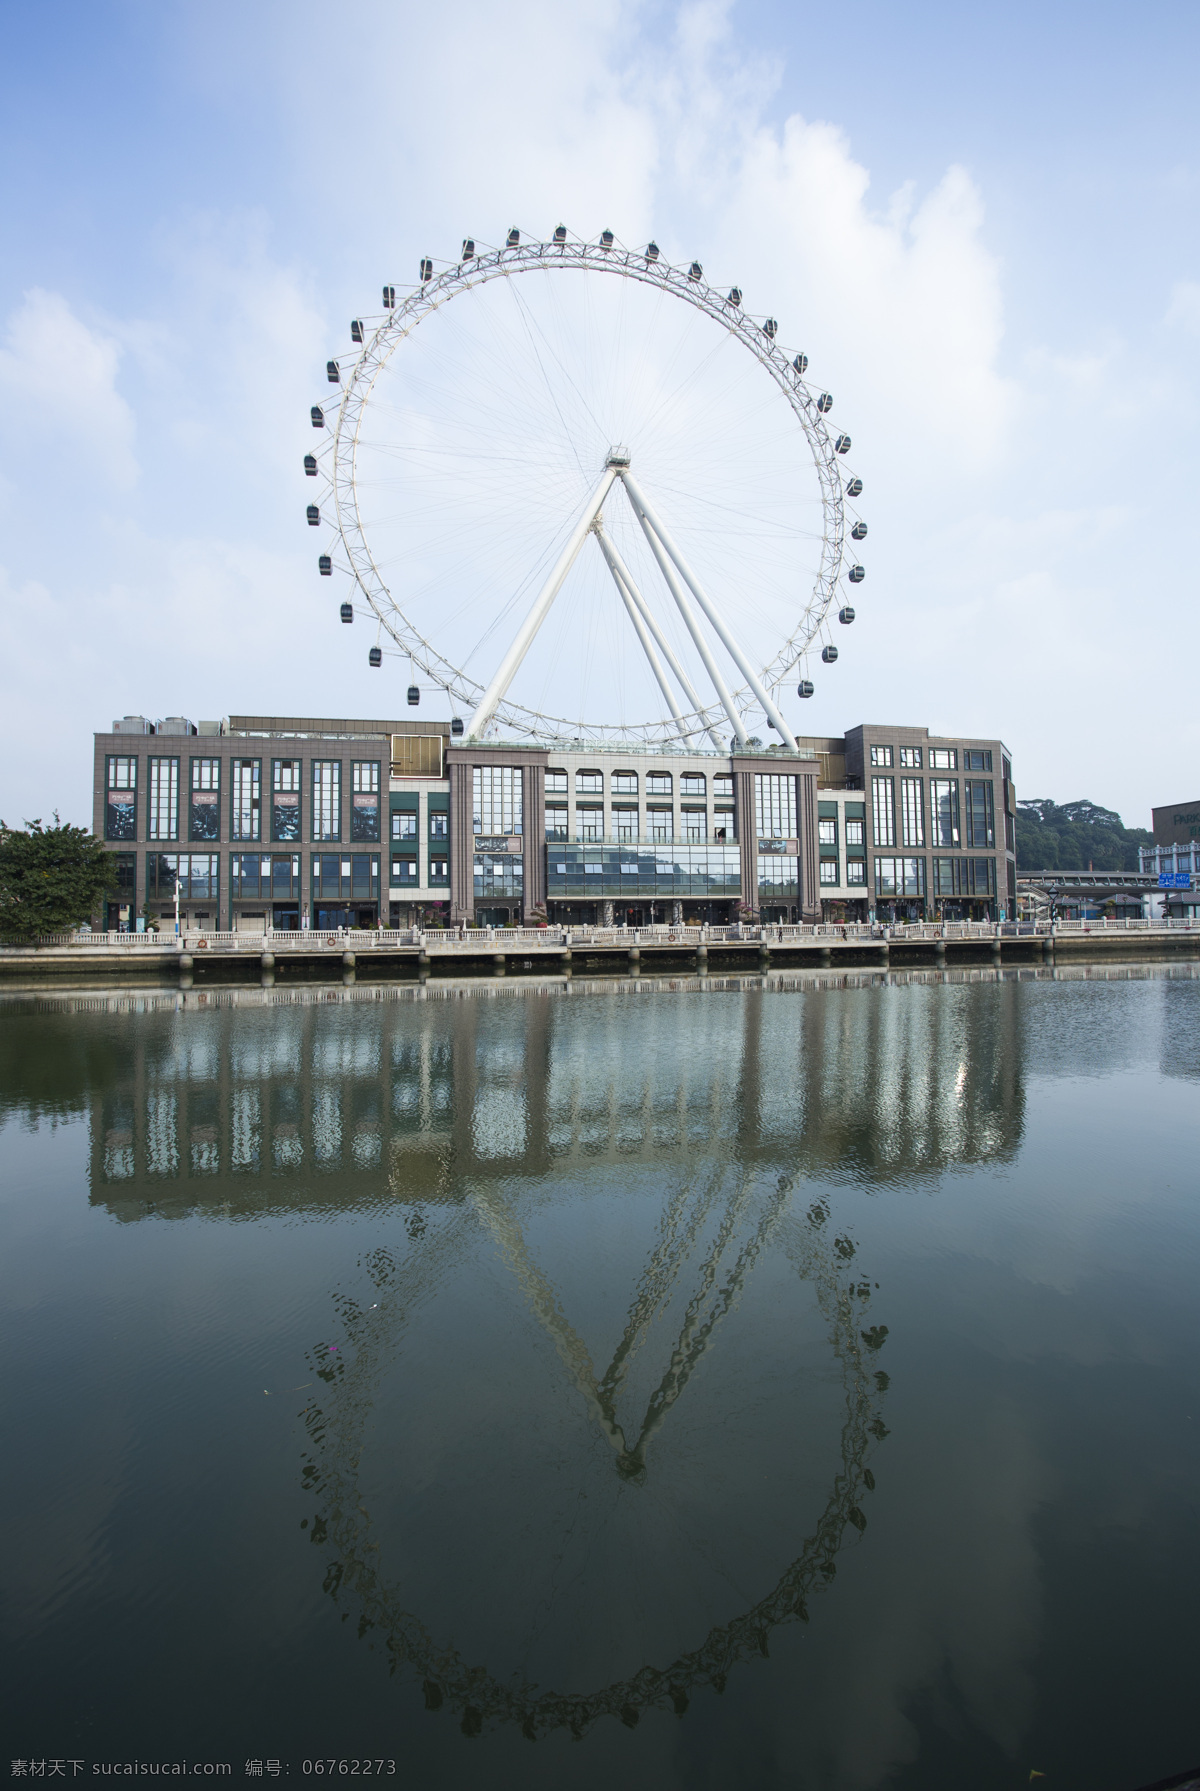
[1174, 880]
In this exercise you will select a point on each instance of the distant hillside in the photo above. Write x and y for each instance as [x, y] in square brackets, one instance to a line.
[1069, 837]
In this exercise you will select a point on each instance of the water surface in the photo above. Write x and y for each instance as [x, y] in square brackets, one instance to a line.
[784, 1382]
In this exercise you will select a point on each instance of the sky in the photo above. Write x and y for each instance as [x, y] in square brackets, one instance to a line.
[981, 220]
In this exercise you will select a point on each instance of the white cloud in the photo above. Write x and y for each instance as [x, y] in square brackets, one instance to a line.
[58, 377]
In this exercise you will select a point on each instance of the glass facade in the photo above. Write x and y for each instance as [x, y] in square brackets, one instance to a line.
[245, 814]
[899, 876]
[327, 799]
[774, 806]
[338, 876]
[120, 798]
[883, 810]
[264, 876]
[980, 814]
[364, 800]
[497, 800]
[912, 811]
[163, 800]
[196, 873]
[285, 799]
[943, 795]
[964, 877]
[499, 877]
[598, 873]
[204, 809]
[778, 877]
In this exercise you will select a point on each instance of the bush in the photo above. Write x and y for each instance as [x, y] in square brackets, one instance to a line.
[51, 879]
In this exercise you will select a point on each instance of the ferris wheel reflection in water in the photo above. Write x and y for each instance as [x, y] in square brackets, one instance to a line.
[488, 1120]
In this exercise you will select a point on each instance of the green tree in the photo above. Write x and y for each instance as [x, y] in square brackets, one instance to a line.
[51, 878]
[1069, 836]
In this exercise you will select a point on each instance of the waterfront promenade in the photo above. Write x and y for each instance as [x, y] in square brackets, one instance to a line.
[412, 952]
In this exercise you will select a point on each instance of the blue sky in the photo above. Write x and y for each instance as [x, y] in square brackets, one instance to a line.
[982, 220]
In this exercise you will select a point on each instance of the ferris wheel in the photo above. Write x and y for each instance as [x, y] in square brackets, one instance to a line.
[592, 509]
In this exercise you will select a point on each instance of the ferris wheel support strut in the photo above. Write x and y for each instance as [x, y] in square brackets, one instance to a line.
[677, 591]
[646, 626]
[496, 691]
[654, 528]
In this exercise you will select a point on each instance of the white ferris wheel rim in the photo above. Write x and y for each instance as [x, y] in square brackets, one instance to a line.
[647, 267]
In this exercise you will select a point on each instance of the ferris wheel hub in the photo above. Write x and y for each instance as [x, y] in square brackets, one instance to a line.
[618, 456]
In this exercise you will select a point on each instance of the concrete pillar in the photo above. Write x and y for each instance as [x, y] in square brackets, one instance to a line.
[499, 964]
[826, 957]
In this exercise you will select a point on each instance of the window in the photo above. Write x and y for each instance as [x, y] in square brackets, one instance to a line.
[964, 876]
[695, 824]
[120, 799]
[404, 870]
[881, 755]
[943, 758]
[364, 800]
[829, 870]
[589, 783]
[285, 799]
[625, 823]
[326, 799]
[855, 833]
[943, 799]
[404, 824]
[624, 783]
[439, 870]
[981, 820]
[856, 870]
[912, 811]
[722, 823]
[556, 783]
[246, 809]
[498, 877]
[196, 873]
[899, 876]
[910, 758]
[556, 820]
[976, 759]
[691, 784]
[204, 811]
[164, 799]
[883, 809]
[439, 824]
[658, 783]
[125, 864]
[262, 876]
[497, 807]
[774, 806]
[661, 823]
[589, 821]
[723, 786]
[827, 832]
[340, 874]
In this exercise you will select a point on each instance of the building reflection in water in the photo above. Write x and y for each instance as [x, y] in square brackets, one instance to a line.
[646, 1182]
[252, 1110]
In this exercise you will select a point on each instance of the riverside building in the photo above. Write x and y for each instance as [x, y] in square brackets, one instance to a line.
[292, 822]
